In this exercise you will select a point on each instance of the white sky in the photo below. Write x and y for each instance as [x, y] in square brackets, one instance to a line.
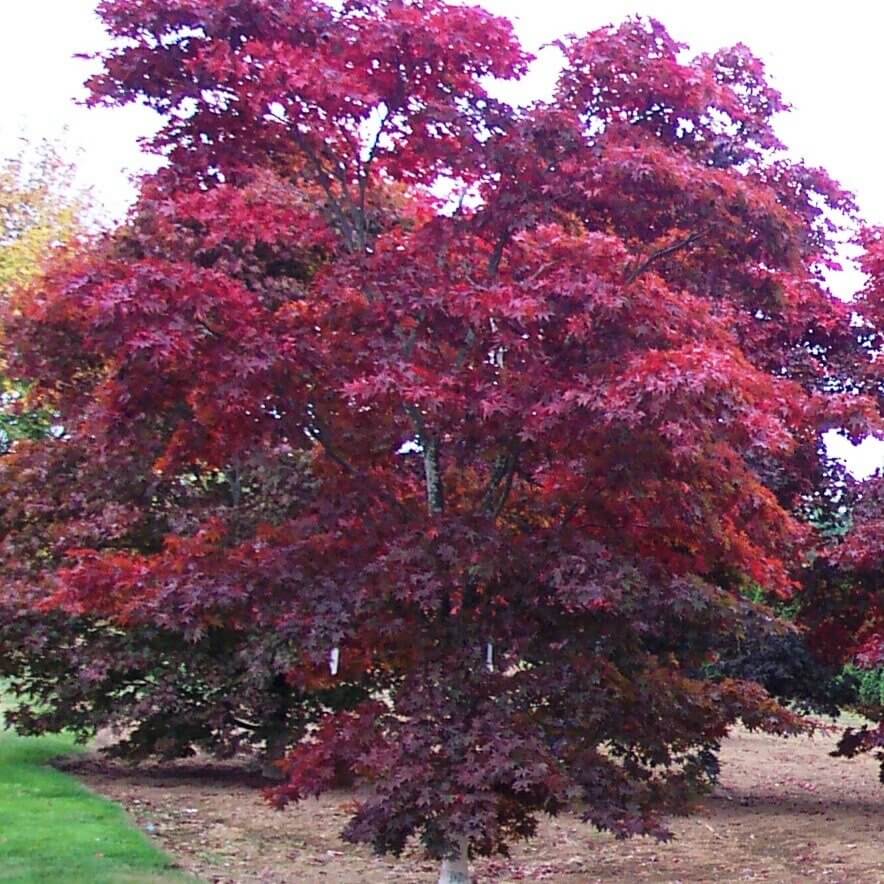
[826, 59]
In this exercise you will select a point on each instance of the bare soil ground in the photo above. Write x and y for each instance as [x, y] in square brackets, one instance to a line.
[785, 812]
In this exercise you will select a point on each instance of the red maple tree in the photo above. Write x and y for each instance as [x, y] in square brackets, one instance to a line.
[559, 418]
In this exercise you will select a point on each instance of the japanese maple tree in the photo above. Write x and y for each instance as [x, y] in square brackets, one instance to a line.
[558, 418]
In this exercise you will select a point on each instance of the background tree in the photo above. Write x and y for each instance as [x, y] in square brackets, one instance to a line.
[844, 612]
[554, 436]
[847, 614]
[791, 649]
[41, 209]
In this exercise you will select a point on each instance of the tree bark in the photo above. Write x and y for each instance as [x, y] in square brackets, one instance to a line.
[274, 751]
[433, 475]
[456, 868]
[432, 467]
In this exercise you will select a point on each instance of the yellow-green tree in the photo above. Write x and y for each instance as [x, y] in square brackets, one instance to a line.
[41, 209]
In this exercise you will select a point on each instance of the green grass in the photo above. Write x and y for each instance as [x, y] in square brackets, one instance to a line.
[52, 829]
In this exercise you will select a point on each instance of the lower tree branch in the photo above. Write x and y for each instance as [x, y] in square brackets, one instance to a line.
[671, 249]
[320, 433]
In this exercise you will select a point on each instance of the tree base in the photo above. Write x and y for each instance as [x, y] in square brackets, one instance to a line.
[456, 869]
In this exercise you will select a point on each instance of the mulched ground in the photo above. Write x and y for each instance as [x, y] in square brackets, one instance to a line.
[785, 812]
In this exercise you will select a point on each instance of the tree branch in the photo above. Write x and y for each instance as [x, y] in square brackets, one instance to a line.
[319, 432]
[464, 351]
[547, 265]
[325, 181]
[507, 488]
[505, 466]
[432, 468]
[497, 254]
[364, 170]
[645, 265]
[205, 326]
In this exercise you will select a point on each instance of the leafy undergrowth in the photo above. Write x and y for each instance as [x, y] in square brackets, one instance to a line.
[52, 829]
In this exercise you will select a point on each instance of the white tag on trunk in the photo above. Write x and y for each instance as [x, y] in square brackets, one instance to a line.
[489, 657]
[334, 659]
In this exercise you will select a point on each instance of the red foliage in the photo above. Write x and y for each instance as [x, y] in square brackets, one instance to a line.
[567, 425]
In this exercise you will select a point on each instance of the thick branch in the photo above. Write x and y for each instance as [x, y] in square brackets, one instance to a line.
[497, 254]
[325, 181]
[576, 505]
[319, 432]
[507, 487]
[364, 171]
[432, 468]
[500, 484]
[465, 350]
[671, 249]
[235, 481]
[204, 325]
[433, 474]
[535, 274]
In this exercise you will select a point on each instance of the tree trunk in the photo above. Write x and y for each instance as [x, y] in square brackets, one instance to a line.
[456, 868]
[274, 751]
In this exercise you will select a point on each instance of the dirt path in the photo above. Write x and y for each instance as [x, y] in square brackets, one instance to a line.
[785, 812]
